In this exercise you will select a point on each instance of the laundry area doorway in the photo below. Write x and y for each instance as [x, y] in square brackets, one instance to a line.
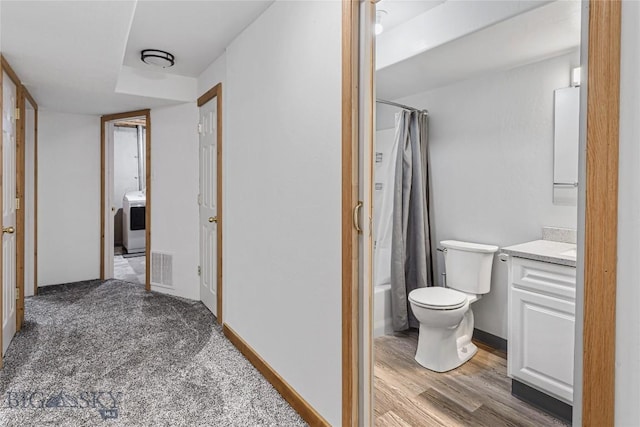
[125, 190]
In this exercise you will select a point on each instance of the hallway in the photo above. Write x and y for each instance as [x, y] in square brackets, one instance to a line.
[108, 352]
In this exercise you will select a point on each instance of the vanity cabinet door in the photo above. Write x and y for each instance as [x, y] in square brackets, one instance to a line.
[541, 332]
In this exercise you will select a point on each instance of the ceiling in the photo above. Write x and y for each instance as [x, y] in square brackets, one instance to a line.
[71, 54]
[196, 32]
[76, 56]
[529, 37]
[399, 12]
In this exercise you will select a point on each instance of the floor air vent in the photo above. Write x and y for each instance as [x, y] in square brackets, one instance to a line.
[162, 269]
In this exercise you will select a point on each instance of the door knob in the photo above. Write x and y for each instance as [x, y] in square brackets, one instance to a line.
[9, 230]
[213, 219]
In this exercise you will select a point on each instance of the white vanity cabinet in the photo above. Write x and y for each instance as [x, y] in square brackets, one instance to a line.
[542, 325]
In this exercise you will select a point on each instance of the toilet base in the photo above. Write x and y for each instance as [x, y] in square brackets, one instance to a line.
[443, 349]
[464, 354]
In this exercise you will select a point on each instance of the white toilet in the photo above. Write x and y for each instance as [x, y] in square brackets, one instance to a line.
[445, 316]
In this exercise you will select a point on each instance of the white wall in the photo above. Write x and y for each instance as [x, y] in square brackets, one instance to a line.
[214, 74]
[628, 292]
[174, 194]
[491, 148]
[282, 232]
[68, 197]
[383, 175]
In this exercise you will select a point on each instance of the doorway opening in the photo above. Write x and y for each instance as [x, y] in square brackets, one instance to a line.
[125, 197]
[594, 278]
[129, 199]
[463, 331]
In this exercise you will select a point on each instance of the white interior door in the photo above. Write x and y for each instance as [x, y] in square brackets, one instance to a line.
[9, 97]
[208, 205]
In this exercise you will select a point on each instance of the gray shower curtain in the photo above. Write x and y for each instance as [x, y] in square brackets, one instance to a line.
[411, 254]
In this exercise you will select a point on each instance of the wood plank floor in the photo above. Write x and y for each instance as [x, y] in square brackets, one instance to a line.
[476, 394]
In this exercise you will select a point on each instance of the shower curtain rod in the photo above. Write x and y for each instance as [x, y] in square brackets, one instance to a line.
[406, 107]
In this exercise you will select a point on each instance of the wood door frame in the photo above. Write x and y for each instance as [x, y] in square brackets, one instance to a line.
[21, 93]
[24, 97]
[350, 254]
[601, 213]
[146, 113]
[216, 92]
[601, 207]
[32, 101]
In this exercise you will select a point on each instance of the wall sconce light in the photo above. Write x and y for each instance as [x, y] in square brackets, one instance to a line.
[378, 28]
[575, 76]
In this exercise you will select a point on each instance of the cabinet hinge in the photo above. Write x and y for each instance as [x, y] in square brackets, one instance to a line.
[17, 293]
[199, 271]
[17, 113]
[199, 128]
[17, 203]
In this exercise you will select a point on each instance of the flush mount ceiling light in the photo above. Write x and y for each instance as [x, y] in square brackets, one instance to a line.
[158, 58]
[378, 28]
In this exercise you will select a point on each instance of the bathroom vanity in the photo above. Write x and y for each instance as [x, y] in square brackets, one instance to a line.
[541, 334]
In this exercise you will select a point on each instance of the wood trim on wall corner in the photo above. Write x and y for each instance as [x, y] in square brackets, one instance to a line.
[7, 69]
[601, 214]
[30, 98]
[210, 94]
[350, 273]
[297, 402]
[216, 92]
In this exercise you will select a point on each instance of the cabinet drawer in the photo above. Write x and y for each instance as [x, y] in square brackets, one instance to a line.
[545, 278]
[541, 342]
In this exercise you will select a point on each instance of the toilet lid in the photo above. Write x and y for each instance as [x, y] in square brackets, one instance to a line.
[438, 298]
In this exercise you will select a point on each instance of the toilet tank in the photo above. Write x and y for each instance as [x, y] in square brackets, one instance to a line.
[468, 266]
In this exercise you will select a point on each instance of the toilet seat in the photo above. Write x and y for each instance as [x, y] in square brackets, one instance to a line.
[438, 298]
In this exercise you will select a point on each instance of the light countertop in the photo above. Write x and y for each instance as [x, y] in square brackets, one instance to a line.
[545, 251]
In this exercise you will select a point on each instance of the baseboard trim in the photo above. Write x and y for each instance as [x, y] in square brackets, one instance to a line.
[296, 401]
[543, 401]
[491, 340]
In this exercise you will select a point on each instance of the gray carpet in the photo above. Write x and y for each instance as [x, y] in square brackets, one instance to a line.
[108, 353]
